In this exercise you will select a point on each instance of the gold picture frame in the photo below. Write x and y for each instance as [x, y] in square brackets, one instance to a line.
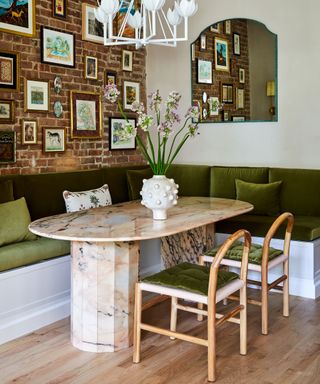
[36, 95]
[7, 112]
[24, 16]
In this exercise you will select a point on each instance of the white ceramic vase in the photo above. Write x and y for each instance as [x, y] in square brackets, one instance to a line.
[159, 194]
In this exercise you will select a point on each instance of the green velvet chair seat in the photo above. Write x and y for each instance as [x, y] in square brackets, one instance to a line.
[189, 277]
[30, 252]
[255, 256]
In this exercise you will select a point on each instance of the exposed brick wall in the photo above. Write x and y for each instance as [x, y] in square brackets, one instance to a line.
[232, 77]
[80, 153]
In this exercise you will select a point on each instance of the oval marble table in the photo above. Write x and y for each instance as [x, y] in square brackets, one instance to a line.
[105, 258]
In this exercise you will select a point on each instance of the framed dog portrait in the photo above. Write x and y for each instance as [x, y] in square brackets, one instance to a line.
[36, 95]
[9, 71]
[6, 111]
[18, 17]
[29, 132]
[7, 147]
[54, 139]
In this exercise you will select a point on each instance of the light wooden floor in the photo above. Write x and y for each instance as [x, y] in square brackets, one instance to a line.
[290, 354]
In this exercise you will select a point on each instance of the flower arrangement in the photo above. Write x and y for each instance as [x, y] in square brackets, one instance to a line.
[161, 154]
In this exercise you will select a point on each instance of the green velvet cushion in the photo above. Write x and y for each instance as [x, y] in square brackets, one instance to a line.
[14, 222]
[189, 277]
[222, 182]
[264, 197]
[135, 181]
[30, 252]
[6, 191]
[255, 256]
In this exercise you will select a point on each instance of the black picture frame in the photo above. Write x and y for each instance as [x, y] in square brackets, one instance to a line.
[236, 44]
[7, 147]
[227, 93]
[126, 145]
[204, 77]
[110, 77]
[57, 11]
[13, 60]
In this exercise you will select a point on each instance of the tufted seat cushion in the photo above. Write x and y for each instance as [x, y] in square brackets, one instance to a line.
[255, 256]
[189, 277]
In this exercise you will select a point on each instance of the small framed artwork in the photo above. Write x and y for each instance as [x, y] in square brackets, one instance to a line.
[57, 47]
[92, 29]
[57, 108]
[236, 44]
[193, 52]
[225, 115]
[215, 28]
[59, 9]
[239, 98]
[238, 118]
[227, 27]
[18, 17]
[204, 72]
[90, 67]
[57, 84]
[6, 111]
[29, 131]
[86, 116]
[131, 93]
[7, 147]
[110, 77]
[213, 106]
[221, 54]
[127, 59]
[203, 42]
[118, 139]
[9, 71]
[36, 95]
[198, 105]
[242, 75]
[54, 139]
[227, 93]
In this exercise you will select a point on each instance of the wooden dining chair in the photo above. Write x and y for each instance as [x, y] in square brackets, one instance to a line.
[199, 284]
[262, 259]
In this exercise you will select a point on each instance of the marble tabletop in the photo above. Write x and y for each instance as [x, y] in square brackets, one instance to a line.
[131, 221]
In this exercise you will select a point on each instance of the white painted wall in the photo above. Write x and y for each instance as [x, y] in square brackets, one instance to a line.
[291, 142]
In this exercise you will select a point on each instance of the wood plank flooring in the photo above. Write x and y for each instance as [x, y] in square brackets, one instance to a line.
[290, 354]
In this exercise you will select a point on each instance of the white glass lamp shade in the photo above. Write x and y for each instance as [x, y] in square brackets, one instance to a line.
[187, 8]
[110, 7]
[153, 5]
[100, 15]
[173, 17]
[135, 21]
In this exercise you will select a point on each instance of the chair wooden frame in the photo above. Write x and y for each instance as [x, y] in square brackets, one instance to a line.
[214, 296]
[264, 269]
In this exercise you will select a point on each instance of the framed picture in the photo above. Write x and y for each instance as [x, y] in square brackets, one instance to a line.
[198, 105]
[203, 42]
[215, 27]
[193, 52]
[238, 118]
[57, 47]
[236, 44]
[57, 84]
[54, 139]
[225, 115]
[213, 106]
[227, 27]
[242, 75]
[226, 93]
[131, 93]
[18, 17]
[239, 98]
[86, 116]
[127, 58]
[92, 29]
[221, 54]
[204, 72]
[59, 9]
[29, 131]
[110, 77]
[36, 95]
[90, 67]
[6, 111]
[9, 71]
[117, 138]
[7, 147]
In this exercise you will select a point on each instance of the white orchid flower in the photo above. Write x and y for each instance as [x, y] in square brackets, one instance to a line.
[186, 8]
[153, 5]
[110, 7]
[135, 21]
[173, 17]
[100, 15]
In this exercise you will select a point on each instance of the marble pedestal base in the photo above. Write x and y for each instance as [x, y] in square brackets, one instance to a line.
[102, 294]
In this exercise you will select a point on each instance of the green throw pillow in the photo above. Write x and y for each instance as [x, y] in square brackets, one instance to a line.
[6, 191]
[135, 180]
[264, 197]
[14, 221]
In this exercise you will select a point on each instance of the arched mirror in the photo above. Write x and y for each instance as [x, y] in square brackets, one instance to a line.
[234, 72]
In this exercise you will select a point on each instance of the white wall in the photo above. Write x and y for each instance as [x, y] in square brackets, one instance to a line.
[294, 140]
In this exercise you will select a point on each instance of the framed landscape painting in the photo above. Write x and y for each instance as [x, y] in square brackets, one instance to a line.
[7, 147]
[86, 116]
[18, 17]
[9, 71]
[118, 139]
[36, 95]
[6, 111]
[92, 29]
[57, 47]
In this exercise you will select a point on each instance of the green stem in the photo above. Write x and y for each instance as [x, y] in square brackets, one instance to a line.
[151, 146]
[145, 154]
[170, 160]
[174, 139]
[122, 112]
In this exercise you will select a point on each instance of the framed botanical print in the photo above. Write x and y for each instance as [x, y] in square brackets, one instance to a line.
[92, 29]
[18, 17]
[204, 71]
[131, 93]
[36, 95]
[59, 9]
[29, 131]
[54, 139]
[57, 47]
[221, 54]
[118, 139]
[7, 147]
[86, 115]
[91, 67]
[127, 58]
[236, 44]
[9, 71]
[6, 111]
[110, 77]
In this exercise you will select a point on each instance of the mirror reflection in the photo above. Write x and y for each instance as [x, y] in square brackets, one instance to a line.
[234, 72]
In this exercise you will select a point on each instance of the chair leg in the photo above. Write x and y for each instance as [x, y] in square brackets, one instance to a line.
[286, 289]
[137, 324]
[243, 321]
[264, 303]
[211, 345]
[173, 319]
[200, 305]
